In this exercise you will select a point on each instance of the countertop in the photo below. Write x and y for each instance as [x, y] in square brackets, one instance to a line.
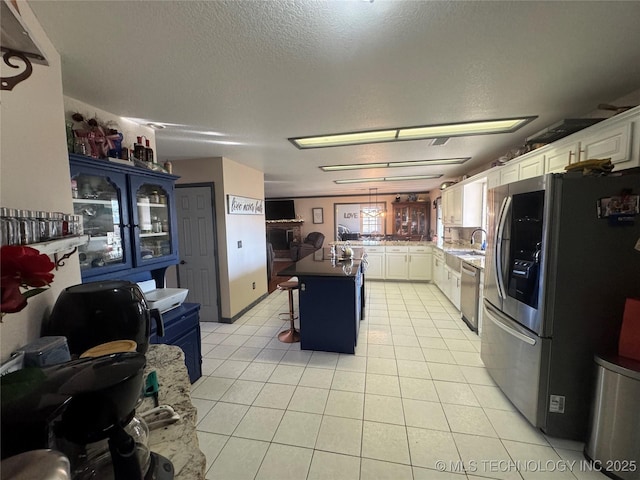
[177, 442]
[470, 255]
[317, 264]
[364, 243]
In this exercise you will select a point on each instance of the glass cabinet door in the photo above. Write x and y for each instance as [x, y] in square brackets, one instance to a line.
[401, 217]
[98, 200]
[153, 226]
[418, 221]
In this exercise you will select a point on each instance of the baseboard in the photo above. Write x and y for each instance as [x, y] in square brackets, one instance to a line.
[243, 311]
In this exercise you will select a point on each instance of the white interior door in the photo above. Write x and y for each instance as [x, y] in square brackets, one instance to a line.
[198, 268]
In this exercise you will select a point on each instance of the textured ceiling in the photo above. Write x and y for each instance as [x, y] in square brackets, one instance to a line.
[259, 72]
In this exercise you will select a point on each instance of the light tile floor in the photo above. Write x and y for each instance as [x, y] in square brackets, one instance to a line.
[414, 402]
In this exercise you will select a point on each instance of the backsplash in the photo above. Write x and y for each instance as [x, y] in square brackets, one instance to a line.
[462, 236]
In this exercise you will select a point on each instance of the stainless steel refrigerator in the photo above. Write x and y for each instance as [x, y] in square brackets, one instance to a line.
[562, 258]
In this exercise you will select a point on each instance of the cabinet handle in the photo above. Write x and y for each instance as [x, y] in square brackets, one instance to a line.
[303, 287]
[182, 262]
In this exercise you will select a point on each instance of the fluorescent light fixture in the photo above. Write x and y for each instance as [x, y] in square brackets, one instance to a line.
[426, 163]
[360, 180]
[339, 139]
[411, 177]
[409, 163]
[462, 129]
[357, 166]
[387, 179]
[483, 127]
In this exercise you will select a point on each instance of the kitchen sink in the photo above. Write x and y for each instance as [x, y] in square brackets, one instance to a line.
[470, 252]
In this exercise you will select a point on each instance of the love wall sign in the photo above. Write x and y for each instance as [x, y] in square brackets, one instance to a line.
[244, 206]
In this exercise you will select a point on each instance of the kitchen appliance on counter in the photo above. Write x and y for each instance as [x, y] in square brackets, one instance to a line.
[560, 264]
[93, 313]
[84, 409]
[162, 299]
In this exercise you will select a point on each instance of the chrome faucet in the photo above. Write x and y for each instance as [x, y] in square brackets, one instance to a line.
[472, 241]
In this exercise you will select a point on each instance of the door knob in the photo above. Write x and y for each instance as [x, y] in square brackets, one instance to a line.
[182, 262]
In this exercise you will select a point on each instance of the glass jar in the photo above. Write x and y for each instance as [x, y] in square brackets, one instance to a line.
[9, 227]
[156, 225]
[56, 224]
[44, 225]
[26, 227]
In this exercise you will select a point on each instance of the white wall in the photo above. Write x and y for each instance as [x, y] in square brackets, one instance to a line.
[35, 172]
[239, 268]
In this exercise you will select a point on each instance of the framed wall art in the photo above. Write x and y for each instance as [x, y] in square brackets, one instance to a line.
[317, 215]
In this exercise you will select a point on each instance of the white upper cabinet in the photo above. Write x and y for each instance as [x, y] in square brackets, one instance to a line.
[613, 143]
[561, 156]
[531, 167]
[462, 205]
[617, 138]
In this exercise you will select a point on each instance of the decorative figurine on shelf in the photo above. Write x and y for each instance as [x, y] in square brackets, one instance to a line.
[412, 197]
[95, 140]
[397, 197]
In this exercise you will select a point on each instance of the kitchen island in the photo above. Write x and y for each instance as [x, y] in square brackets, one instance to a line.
[331, 301]
[177, 442]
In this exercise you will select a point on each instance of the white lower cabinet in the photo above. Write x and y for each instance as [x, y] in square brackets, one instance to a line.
[375, 259]
[438, 268]
[420, 264]
[454, 286]
[396, 263]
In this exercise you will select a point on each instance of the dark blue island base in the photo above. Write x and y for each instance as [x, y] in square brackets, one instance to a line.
[331, 303]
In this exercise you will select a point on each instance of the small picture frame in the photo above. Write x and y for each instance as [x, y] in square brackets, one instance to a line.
[317, 215]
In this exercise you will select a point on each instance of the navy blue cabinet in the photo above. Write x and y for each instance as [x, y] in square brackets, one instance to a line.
[129, 214]
[330, 312]
[182, 328]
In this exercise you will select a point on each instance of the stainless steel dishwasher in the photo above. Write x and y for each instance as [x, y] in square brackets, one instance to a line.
[469, 294]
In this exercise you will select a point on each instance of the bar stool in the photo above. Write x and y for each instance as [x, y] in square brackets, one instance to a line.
[290, 335]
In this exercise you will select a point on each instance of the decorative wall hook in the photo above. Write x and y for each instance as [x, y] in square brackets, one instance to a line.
[7, 83]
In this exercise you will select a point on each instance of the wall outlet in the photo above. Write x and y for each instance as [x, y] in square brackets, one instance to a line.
[253, 285]
[239, 243]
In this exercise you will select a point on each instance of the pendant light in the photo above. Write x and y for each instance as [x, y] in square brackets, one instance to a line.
[372, 210]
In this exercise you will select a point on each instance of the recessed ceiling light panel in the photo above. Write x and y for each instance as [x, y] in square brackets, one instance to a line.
[410, 163]
[388, 179]
[339, 139]
[412, 133]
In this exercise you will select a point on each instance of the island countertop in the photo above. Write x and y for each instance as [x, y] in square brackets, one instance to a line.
[317, 264]
[177, 442]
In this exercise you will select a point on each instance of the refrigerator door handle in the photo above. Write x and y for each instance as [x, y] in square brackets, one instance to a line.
[499, 260]
[494, 315]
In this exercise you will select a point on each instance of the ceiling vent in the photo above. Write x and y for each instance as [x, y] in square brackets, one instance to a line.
[439, 141]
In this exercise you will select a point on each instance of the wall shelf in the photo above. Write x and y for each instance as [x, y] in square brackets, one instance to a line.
[54, 247]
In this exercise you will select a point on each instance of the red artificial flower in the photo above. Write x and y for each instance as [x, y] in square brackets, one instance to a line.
[22, 267]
